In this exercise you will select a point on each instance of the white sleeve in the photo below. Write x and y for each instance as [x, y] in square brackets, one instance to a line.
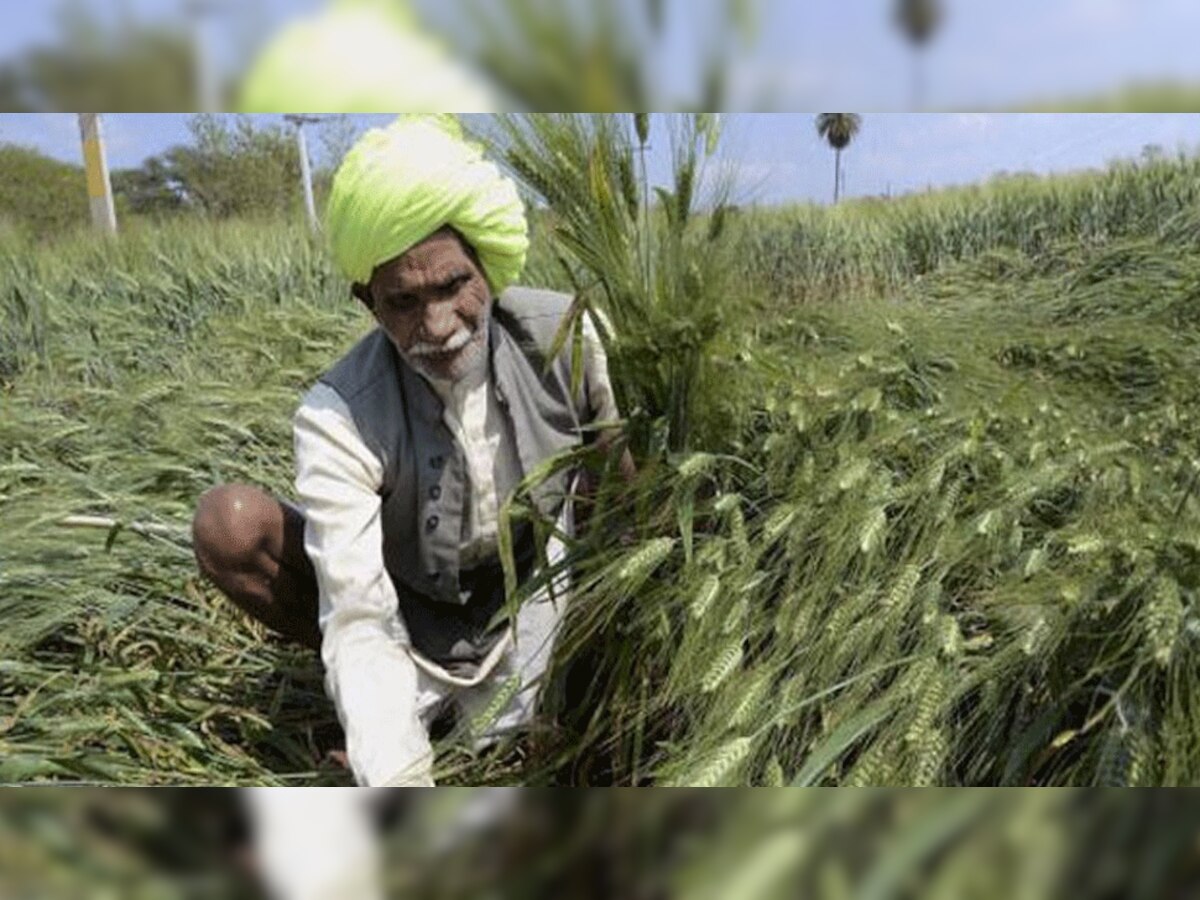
[369, 673]
[602, 402]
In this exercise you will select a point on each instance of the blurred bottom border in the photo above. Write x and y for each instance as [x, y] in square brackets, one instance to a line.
[532, 842]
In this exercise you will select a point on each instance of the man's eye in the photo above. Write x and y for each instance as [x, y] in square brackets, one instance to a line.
[402, 301]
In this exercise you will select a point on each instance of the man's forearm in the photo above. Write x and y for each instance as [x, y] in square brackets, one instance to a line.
[374, 684]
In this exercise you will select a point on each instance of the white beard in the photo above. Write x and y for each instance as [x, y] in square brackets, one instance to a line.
[471, 360]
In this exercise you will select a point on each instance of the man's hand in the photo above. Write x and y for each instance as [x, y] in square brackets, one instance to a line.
[337, 758]
[607, 444]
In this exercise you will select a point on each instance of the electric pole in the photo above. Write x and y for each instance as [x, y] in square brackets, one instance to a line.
[95, 165]
[305, 171]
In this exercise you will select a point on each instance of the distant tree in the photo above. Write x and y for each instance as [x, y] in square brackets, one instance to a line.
[39, 195]
[919, 21]
[151, 189]
[838, 130]
[1153, 153]
[233, 167]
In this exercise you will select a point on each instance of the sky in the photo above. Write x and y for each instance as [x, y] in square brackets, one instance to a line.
[773, 158]
[987, 53]
[814, 52]
[779, 157]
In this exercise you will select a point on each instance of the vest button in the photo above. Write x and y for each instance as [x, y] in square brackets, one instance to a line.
[435, 492]
[436, 462]
[431, 523]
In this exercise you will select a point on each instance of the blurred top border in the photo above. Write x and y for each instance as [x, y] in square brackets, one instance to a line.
[363, 56]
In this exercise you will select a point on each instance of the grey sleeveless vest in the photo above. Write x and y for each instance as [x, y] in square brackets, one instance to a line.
[425, 476]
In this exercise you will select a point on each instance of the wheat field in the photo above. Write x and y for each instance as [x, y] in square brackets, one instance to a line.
[917, 497]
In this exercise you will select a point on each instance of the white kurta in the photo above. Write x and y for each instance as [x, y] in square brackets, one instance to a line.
[384, 691]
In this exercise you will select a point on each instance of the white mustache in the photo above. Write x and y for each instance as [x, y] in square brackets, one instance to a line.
[456, 341]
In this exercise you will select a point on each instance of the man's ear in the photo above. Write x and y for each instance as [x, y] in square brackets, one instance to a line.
[363, 293]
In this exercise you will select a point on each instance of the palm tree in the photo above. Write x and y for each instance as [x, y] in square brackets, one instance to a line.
[838, 129]
[919, 20]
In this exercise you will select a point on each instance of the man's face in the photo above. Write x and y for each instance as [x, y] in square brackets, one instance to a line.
[433, 302]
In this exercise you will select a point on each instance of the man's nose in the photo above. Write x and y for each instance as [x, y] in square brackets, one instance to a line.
[439, 322]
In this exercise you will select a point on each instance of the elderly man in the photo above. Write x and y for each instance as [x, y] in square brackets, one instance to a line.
[407, 448]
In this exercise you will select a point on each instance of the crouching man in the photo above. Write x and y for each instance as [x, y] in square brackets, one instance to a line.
[405, 451]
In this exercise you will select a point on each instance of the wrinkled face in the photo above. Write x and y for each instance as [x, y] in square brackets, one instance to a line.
[433, 301]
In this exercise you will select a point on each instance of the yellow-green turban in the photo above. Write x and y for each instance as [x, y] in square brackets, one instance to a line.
[400, 184]
[360, 56]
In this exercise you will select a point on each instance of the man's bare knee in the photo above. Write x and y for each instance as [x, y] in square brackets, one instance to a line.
[232, 528]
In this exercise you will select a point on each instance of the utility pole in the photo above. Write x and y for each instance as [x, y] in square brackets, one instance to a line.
[95, 164]
[305, 171]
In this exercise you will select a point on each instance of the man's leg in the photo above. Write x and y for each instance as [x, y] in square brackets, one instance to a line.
[251, 545]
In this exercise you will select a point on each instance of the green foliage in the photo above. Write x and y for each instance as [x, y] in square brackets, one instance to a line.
[838, 129]
[152, 190]
[1014, 227]
[39, 196]
[233, 168]
[656, 274]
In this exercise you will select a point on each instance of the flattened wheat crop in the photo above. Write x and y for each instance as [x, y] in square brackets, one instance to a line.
[967, 552]
[158, 367]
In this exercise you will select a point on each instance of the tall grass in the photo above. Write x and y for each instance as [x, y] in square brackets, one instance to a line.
[875, 244]
[659, 278]
[938, 529]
